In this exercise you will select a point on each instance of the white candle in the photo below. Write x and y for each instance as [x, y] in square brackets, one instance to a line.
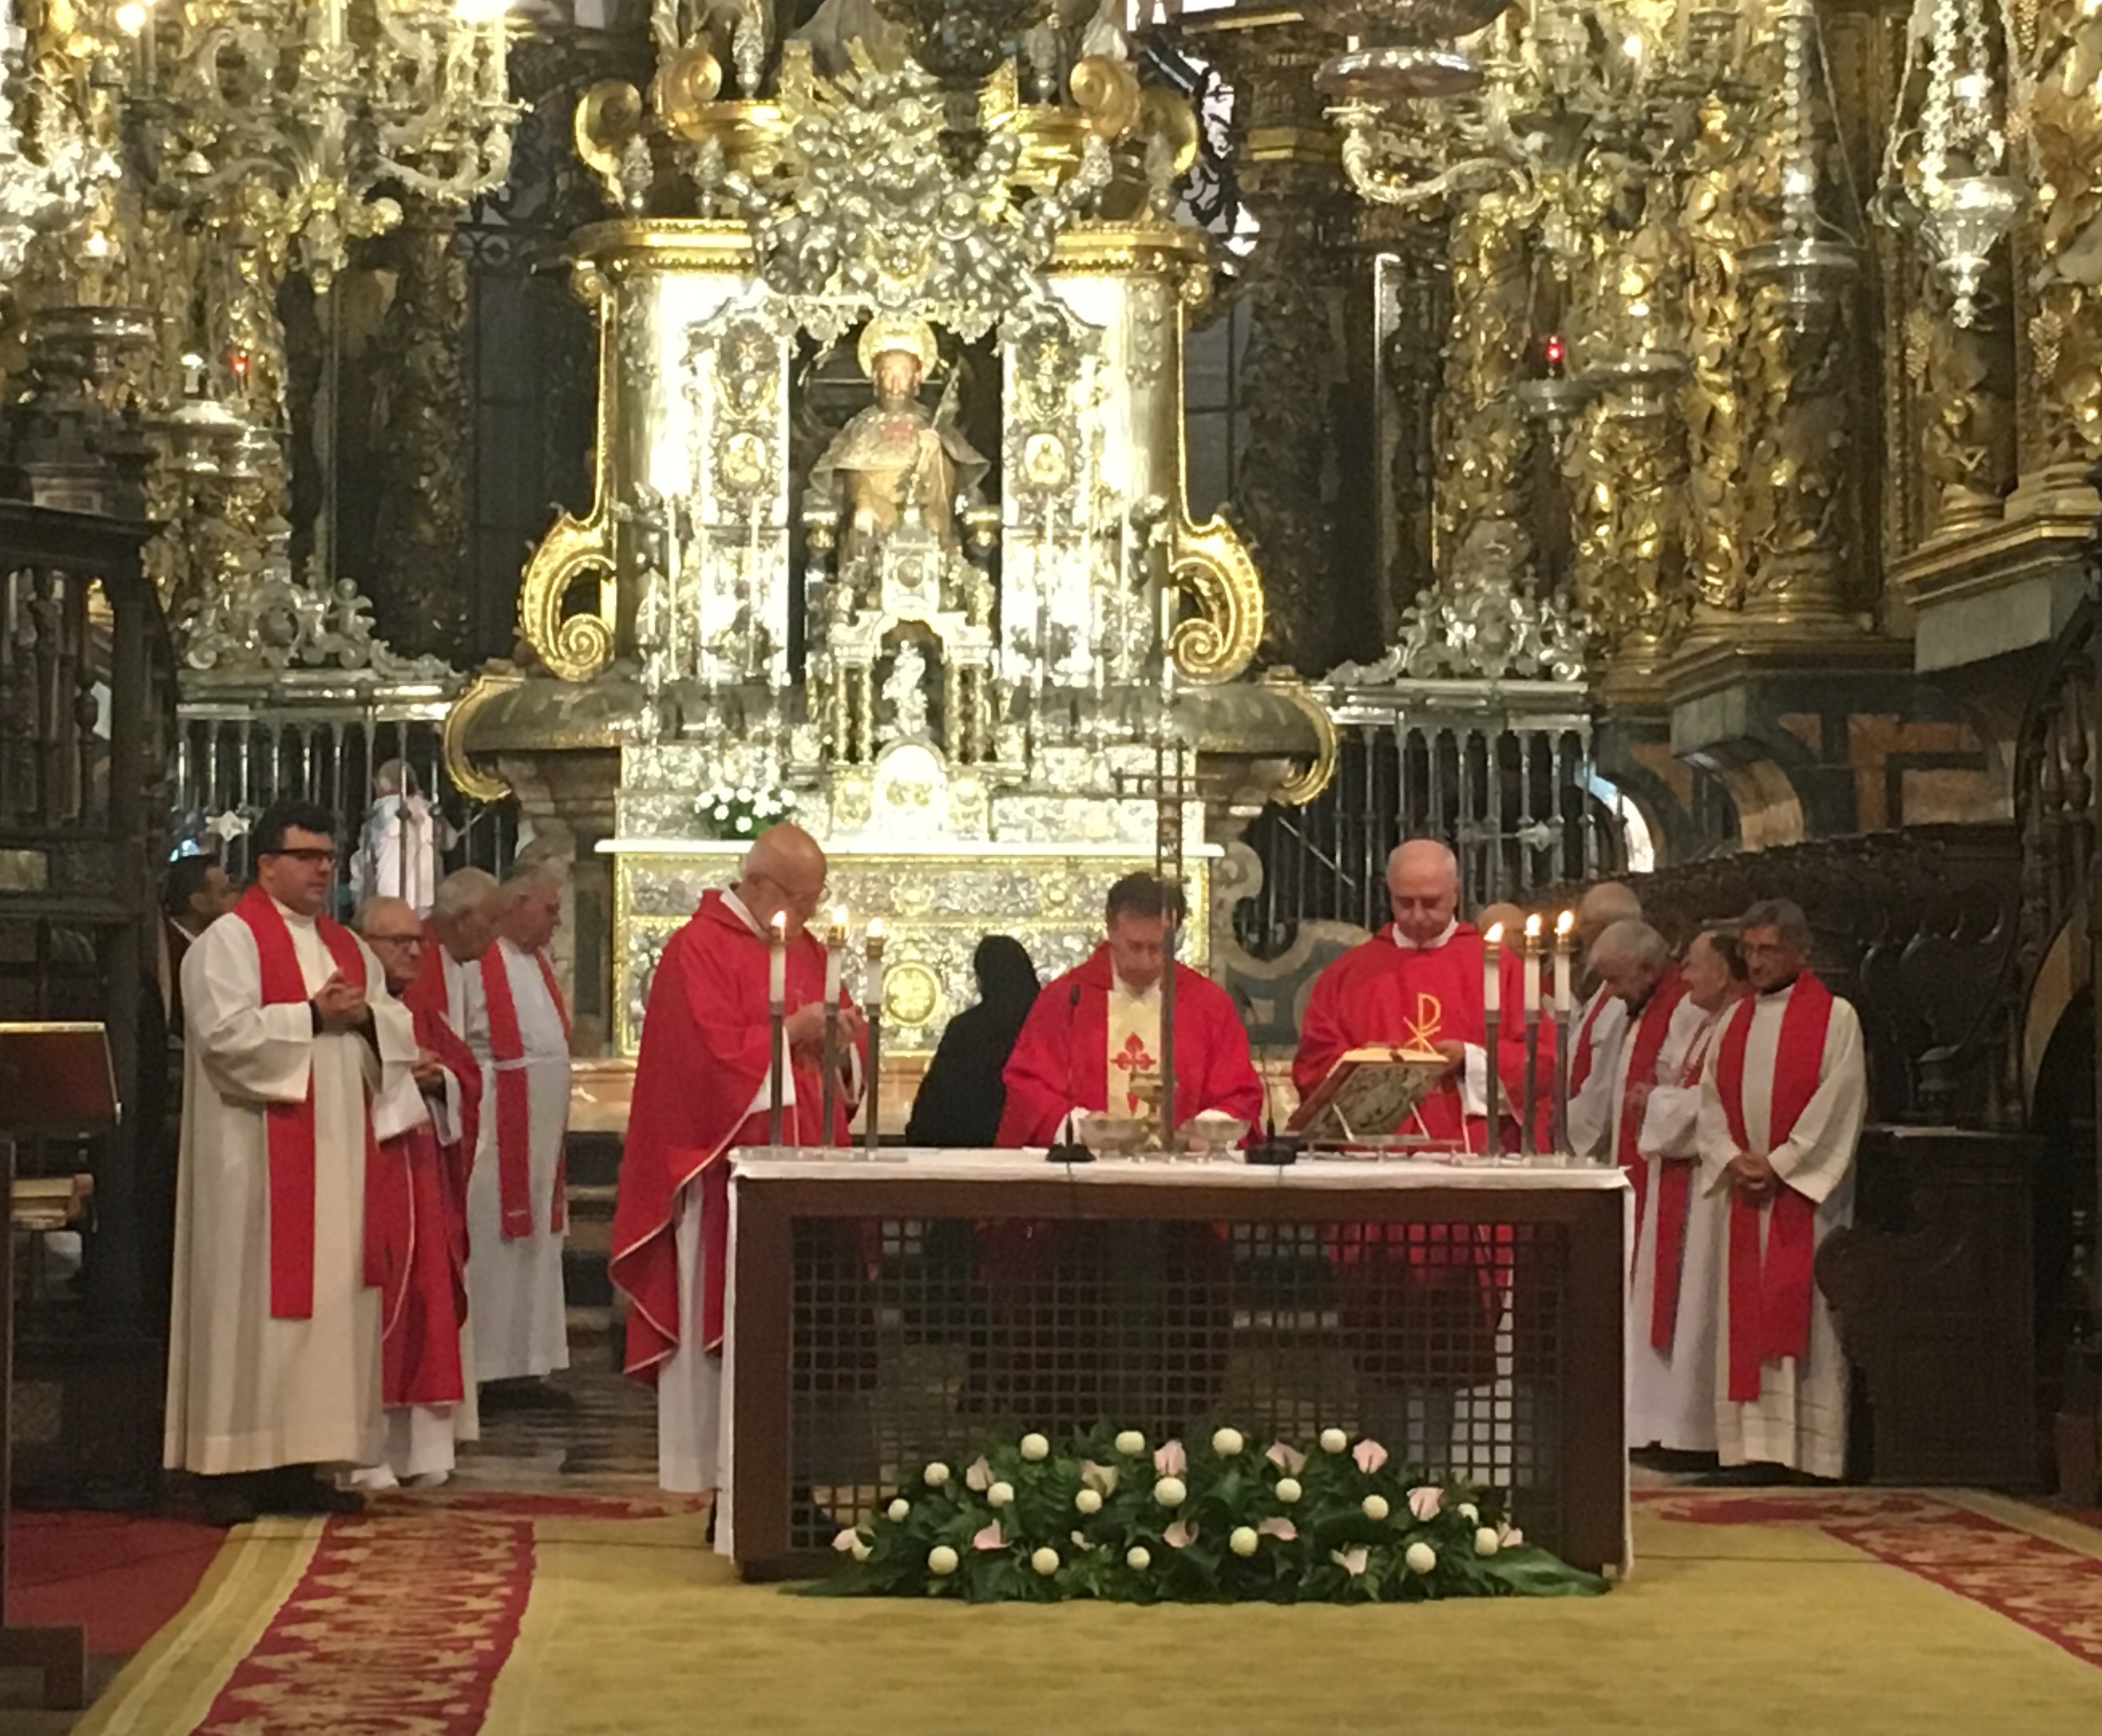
[1492, 975]
[776, 981]
[835, 950]
[1564, 926]
[1530, 951]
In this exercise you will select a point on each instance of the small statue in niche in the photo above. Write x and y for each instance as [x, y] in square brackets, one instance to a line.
[892, 460]
[905, 690]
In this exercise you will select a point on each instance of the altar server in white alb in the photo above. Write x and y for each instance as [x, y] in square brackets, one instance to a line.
[518, 1027]
[1672, 1301]
[1781, 1109]
[274, 1338]
[1594, 1048]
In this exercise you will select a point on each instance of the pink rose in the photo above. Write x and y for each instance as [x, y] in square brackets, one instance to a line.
[991, 1537]
[1352, 1560]
[1288, 1459]
[979, 1477]
[1513, 1537]
[1370, 1456]
[1282, 1529]
[1169, 1459]
[1180, 1535]
[1424, 1501]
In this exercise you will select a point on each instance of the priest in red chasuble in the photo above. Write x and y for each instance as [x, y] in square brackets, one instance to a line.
[1094, 1036]
[704, 1084]
[1781, 1109]
[416, 1214]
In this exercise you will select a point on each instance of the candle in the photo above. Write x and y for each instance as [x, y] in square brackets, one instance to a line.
[835, 950]
[871, 1124]
[1529, 950]
[1565, 942]
[1492, 975]
[777, 981]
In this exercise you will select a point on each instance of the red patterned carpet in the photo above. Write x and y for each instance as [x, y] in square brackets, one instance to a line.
[2053, 1590]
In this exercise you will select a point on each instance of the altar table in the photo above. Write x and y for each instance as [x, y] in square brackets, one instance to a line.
[887, 1311]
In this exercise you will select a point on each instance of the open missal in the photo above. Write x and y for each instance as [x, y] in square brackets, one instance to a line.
[1369, 1094]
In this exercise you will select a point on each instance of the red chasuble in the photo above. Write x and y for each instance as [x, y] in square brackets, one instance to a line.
[288, 1128]
[1379, 992]
[1642, 1047]
[704, 1057]
[1770, 1298]
[416, 1228]
[1060, 1061]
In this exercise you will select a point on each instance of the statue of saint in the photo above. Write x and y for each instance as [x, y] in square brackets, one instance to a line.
[906, 690]
[893, 458]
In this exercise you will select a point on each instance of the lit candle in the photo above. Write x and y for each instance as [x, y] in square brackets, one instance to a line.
[777, 981]
[835, 950]
[1565, 942]
[1492, 973]
[1529, 950]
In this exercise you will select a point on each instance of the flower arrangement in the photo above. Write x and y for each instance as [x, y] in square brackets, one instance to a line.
[739, 811]
[1218, 1519]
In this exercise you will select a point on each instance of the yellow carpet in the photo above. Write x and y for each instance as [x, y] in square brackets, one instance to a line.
[1788, 1622]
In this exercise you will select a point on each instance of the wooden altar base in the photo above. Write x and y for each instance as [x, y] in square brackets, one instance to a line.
[890, 1312]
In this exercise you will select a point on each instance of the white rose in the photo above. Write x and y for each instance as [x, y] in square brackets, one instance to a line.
[1035, 1448]
[935, 1475]
[1226, 1443]
[1244, 1540]
[1087, 1501]
[1001, 1494]
[1470, 1513]
[898, 1510]
[941, 1560]
[1138, 1558]
[1045, 1561]
[860, 1550]
[1131, 1442]
[1419, 1558]
[1486, 1542]
[1287, 1489]
[1169, 1492]
[1333, 1440]
[1375, 1508]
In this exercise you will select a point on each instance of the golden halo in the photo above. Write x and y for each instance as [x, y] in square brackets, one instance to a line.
[887, 332]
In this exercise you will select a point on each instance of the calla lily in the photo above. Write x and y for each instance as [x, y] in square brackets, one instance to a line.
[979, 1477]
[1424, 1501]
[1288, 1459]
[1169, 1459]
[1180, 1535]
[1281, 1529]
[1513, 1537]
[1370, 1455]
[991, 1537]
[1353, 1561]
[1101, 1478]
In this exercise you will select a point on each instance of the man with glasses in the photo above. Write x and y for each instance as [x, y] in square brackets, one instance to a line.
[274, 1339]
[703, 1084]
[416, 1220]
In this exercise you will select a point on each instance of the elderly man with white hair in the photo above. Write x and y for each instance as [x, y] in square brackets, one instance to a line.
[1594, 1049]
[518, 1025]
[1781, 1109]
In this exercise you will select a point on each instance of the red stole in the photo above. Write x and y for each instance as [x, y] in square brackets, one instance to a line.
[288, 1128]
[1769, 1300]
[1644, 1043]
[1580, 1062]
[514, 1099]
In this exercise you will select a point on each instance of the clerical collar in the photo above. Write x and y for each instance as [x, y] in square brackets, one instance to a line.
[287, 912]
[744, 915]
[1407, 945]
[1781, 987]
[1125, 988]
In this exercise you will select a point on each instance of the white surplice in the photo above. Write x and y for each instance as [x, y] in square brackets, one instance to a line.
[1671, 1392]
[1799, 1418]
[514, 1292]
[1591, 1104]
[246, 1391]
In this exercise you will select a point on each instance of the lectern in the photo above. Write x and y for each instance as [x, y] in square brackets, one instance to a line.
[56, 1081]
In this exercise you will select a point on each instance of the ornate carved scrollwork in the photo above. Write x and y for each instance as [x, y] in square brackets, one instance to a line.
[469, 779]
[1303, 787]
[575, 648]
[1211, 560]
